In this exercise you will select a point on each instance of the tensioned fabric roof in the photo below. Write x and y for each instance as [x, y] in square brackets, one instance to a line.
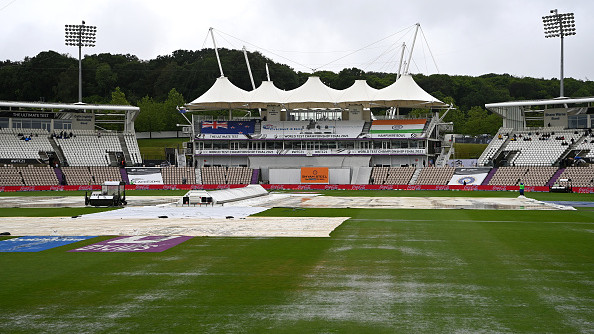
[314, 94]
[266, 94]
[359, 93]
[405, 92]
[222, 95]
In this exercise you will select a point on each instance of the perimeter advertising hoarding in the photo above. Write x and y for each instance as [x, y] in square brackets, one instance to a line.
[581, 190]
[469, 176]
[314, 175]
[145, 175]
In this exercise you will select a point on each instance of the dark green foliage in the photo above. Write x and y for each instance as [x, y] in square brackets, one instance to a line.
[171, 80]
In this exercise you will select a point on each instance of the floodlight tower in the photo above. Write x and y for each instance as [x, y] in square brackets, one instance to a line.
[80, 35]
[559, 25]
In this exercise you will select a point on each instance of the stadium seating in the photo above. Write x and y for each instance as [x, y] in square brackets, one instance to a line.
[530, 176]
[586, 145]
[10, 176]
[178, 175]
[538, 148]
[38, 176]
[239, 175]
[222, 175]
[391, 175]
[18, 145]
[498, 140]
[79, 175]
[579, 176]
[132, 144]
[435, 175]
[88, 148]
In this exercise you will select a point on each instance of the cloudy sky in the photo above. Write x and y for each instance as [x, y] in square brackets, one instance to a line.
[469, 37]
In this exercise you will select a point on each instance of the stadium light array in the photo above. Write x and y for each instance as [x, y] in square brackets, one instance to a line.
[80, 35]
[559, 25]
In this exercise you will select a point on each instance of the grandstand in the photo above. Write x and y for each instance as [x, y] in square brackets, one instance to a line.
[345, 142]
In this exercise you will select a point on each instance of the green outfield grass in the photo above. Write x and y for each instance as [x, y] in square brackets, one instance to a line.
[382, 271]
[154, 148]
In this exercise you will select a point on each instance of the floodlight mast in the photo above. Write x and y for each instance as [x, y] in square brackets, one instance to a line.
[80, 35]
[559, 25]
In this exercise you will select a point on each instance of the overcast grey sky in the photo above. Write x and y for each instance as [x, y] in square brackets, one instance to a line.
[470, 37]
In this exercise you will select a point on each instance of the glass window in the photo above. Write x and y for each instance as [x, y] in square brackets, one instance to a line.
[3, 122]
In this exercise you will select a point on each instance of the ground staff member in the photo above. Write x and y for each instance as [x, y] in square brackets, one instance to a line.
[521, 188]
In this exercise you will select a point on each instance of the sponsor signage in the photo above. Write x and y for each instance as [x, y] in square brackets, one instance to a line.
[228, 127]
[148, 175]
[152, 244]
[20, 161]
[28, 114]
[583, 190]
[221, 136]
[37, 243]
[314, 175]
[397, 128]
[395, 151]
[469, 176]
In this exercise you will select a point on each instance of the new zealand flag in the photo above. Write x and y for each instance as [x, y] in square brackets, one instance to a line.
[228, 127]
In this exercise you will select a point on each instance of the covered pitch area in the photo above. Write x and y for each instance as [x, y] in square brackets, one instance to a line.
[381, 270]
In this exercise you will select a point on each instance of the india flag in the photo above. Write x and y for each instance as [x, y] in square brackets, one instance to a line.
[398, 126]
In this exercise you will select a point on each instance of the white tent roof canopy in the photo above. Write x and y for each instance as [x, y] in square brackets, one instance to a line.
[222, 94]
[359, 93]
[405, 92]
[314, 94]
[266, 94]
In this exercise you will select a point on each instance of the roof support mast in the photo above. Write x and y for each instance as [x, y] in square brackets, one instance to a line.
[216, 51]
[412, 48]
[251, 76]
[267, 72]
[401, 59]
[249, 67]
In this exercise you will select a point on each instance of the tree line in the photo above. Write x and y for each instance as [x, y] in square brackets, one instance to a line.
[158, 85]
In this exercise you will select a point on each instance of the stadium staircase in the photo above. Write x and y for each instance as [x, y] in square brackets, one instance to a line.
[125, 148]
[58, 151]
[555, 177]
[59, 175]
[444, 156]
[366, 127]
[415, 176]
[258, 128]
[124, 175]
[255, 176]
[489, 176]
[198, 173]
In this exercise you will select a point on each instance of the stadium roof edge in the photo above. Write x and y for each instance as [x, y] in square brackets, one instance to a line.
[71, 106]
[540, 102]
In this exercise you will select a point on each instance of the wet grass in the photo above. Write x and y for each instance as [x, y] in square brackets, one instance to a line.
[382, 271]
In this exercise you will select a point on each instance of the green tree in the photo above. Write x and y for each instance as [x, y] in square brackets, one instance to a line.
[118, 97]
[150, 117]
[170, 112]
[105, 78]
